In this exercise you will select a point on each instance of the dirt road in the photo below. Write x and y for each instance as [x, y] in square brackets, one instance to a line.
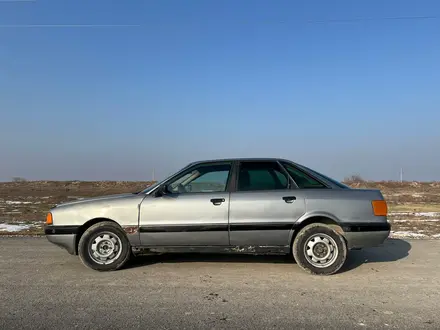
[393, 287]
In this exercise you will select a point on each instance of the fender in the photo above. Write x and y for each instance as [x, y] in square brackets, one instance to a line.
[304, 219]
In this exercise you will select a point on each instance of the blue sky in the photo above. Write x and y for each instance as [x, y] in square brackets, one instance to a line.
[190, 80]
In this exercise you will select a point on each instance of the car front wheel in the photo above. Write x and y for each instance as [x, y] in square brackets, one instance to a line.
[319, 250]
[104, 247]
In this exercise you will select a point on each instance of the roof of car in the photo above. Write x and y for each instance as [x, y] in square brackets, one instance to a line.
[239, 159]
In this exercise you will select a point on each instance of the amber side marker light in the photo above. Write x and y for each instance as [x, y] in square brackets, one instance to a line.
[380, 208]
[49, 219]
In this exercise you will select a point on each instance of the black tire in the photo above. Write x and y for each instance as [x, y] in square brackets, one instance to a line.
[313, 231]
[109, 229]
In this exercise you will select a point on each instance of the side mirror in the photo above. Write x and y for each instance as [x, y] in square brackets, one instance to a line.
[162, 190]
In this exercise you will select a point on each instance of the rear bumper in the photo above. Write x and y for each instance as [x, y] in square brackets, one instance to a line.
[62, 236]
[366, 235]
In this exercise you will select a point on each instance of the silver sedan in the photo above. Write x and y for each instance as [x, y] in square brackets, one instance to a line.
[254, 206]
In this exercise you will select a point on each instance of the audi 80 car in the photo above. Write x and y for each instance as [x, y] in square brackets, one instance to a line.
[258, 206]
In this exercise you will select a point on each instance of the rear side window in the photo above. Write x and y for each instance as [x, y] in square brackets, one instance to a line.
[261, 176]
[336, 183]
[302, 180]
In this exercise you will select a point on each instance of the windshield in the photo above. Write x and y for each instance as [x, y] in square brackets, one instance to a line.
[148, 189]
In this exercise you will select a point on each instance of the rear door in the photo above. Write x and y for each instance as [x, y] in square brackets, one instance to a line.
[264, 205]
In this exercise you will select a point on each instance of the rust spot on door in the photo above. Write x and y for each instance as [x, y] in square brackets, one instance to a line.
[130, 230]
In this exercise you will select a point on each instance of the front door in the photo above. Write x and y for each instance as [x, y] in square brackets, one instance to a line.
[193, 212]
[263, 208]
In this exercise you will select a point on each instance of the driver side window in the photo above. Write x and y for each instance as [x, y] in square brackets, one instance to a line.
[204, 178]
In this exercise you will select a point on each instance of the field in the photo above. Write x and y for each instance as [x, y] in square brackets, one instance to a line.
[414, 206]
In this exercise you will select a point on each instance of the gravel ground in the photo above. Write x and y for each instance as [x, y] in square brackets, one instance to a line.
[391, 287]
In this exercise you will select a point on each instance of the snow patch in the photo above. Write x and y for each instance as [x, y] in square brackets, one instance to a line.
[13, 228]
[427, 214]
[417, 214]
[407, 234]
[416, 220]
[17, 202]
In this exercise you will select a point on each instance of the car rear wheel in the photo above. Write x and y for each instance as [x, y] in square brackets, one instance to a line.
[319, 250]
[104, 247]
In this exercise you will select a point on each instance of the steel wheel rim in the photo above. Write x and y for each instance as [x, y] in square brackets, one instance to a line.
[321, 250]
[105, 248]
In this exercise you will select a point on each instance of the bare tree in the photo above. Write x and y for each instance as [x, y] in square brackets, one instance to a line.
[18, 179]
[355, 178]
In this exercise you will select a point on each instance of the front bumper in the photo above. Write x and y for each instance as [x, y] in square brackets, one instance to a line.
[62, 236]
[66, 242]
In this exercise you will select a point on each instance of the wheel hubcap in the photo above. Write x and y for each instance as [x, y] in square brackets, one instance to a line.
[321, 250]
[105, 248]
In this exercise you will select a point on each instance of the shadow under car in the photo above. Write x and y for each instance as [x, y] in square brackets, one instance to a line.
[391, 250]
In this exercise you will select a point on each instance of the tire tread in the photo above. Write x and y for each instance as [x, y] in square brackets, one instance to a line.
[297, 249]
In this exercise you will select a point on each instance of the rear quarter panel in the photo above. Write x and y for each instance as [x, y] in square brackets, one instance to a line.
[342, 205]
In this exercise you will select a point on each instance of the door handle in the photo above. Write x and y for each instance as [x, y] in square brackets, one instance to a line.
[289, 199]
[217, 201]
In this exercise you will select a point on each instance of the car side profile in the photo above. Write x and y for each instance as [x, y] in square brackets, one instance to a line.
[259, 206]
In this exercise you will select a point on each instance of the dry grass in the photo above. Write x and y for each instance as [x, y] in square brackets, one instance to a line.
[413, 207]
[406, 201]
[27, 202]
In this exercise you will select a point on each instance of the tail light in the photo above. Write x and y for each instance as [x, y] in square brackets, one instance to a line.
[380, 208]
